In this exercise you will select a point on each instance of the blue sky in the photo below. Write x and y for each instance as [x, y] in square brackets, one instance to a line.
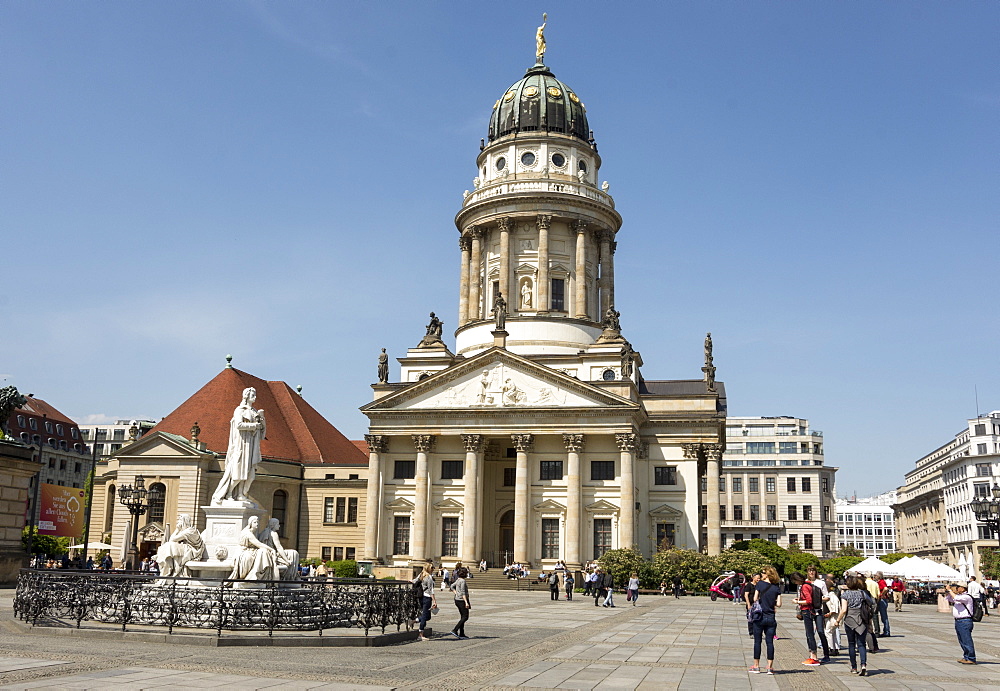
[814, 183]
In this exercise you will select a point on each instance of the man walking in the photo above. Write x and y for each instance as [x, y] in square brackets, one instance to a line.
[678, 586]
[608, 585]
[898, 588]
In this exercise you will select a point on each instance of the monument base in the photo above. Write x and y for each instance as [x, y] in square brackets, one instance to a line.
[223, 524]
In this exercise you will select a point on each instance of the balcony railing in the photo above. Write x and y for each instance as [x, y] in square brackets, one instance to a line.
[539, 185]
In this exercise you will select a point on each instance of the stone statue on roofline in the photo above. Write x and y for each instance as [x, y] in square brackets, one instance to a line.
[247, 430]
[433, 337]
[612, 326]
[709, 367]
[383, 368]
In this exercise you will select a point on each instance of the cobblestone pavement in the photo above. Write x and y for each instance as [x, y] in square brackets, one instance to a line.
[520, 640]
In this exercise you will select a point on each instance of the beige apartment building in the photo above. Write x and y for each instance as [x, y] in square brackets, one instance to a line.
[776, 486]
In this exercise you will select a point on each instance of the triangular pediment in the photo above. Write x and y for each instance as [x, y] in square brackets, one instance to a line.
[160, 444]
[666, 511]
[498, 378]
[400, 504]
[152, 532]
[549, 505]
[449, 504]
[602, 506]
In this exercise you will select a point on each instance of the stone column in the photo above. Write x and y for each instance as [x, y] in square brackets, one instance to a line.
[504, 225]
[604, 237]
[713, 453]
[423, 443]
[377, 444]
[628, 444]
[523, 444]
[475, 308]
[574, 498]
[581, 269]
[612, 246]
[542, 289]
[470, 524]
[465, 244]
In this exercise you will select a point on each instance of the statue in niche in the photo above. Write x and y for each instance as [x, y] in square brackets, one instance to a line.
[499, 311]
[434, 331]
[383, 368]
[526, 294]
[247, 429]
[513, 395]
[185, 544]
[628, 355]
[255, 561]
[289, 558]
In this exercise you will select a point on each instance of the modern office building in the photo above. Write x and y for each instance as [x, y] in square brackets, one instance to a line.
[867, 524]
[109, 438]
[776, 485]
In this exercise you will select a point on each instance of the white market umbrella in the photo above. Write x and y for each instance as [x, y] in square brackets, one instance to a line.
[873, 565]
[97, 546]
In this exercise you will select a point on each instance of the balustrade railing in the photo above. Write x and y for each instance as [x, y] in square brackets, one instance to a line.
[540, 185]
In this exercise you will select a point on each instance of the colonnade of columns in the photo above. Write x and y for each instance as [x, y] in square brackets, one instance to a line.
[470, 539]
[474, 294]
[712, 454]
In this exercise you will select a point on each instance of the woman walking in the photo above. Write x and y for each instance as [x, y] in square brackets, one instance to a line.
[855, 611]
[633, 588]
[460, 587]
[768, 594]
[426, 581]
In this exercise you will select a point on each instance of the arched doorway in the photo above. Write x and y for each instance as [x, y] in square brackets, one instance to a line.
[506, 552]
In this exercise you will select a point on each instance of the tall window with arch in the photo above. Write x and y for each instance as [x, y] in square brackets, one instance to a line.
[279, 505]
[155, 512]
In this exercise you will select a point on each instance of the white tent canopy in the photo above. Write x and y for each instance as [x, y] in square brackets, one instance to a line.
[98, 546]
[918, 569]
[873, 565]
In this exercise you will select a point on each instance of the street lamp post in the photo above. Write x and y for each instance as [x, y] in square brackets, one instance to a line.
[136, 498]
[988, 512]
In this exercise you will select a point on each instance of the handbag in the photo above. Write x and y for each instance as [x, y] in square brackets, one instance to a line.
[628, 597]
[755, 613]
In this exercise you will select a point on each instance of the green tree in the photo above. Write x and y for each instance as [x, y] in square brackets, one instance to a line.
[622, 563]
[989, 562]
[776, 556]
[800, 561]
[696, 570]
[894, 557]
[746, 562]
[849, 551]
[44, 544]
[838, 565]
[347, 568]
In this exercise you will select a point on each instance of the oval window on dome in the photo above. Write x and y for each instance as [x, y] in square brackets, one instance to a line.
[527, 159]
[501, 163]
[508, 96]
[531, 91]
[558, 160]
[582, 165]
[573, 97]
[554, 92]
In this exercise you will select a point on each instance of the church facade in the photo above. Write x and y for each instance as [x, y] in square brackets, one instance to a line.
[537, 437]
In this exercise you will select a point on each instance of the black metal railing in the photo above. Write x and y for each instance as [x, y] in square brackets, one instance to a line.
[72, 597]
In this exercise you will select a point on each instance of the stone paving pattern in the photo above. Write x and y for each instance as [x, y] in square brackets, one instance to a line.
[520, 640]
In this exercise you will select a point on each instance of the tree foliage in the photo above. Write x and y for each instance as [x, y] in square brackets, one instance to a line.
[849, 551]
[989, 562]
[346, 568]
[776, 556]
[894, 557]
[800, 561]
[745, 562]
[622, 563]
[696, 570]
[838, 565]
[44, 544]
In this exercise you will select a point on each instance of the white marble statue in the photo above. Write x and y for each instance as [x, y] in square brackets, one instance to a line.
[288, 558]
[246, 431]
[526, 295]
[185, 544]
[255, 561]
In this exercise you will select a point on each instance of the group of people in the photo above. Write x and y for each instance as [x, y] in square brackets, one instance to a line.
[457, 583]
[41, 561]
[859, 606]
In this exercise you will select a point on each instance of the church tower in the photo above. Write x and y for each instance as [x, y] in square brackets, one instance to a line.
[538, 439]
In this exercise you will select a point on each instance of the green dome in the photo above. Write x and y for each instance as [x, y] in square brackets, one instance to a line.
[539, 103]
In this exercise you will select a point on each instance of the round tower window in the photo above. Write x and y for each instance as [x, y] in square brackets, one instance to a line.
[608, 375]
[558, 160]
[501, 163]
[583, 165]
[527, 159]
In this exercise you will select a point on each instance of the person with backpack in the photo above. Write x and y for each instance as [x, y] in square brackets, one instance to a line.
[766, 598]
[810, 602]
[964, 610]
[423, 586]
[553, 586]
[856, 611]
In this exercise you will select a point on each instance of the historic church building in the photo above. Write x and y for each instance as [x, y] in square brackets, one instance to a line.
[538, 438]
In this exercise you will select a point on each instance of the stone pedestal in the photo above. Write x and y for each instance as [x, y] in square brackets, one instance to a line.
[499, 338]
[223, 525]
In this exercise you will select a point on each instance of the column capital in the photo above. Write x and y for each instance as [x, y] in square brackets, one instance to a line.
[574, 442]
[691, 450]
[423, 443]
[474, 232]
[543, 221]
[504, 223]
[714, 451]
[473, 442]
[603, 235]
[377, 443]
[523, 442]
[580, 226]
[465, 243]
[627, 441]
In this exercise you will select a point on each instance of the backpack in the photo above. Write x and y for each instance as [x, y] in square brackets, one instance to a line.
[418, 588]
[977, 611]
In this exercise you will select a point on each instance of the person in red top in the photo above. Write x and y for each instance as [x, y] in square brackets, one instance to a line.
[884, 593]
[810, 602]
[898, 588]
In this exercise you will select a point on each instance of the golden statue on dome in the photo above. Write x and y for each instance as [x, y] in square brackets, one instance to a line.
[540, 39]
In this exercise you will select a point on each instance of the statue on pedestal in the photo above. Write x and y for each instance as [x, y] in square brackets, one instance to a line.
[612, 327]
[255, 561]
[434, 331]
[499, 311]
[709, 368]
[246, 431]
[383, 368]
[185, 544]
[288, 558]
[628, 355]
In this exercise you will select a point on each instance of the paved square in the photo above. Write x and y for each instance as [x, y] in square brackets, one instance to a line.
[519, 640]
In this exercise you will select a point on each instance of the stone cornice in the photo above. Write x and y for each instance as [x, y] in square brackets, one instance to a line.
[559, 205]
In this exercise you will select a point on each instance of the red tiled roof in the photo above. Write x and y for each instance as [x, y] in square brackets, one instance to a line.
[40, 409]
[362, 446]
[295, 431]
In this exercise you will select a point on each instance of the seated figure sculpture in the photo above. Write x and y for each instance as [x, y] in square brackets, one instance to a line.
[185, 544]
[255, 561]
[289, 558]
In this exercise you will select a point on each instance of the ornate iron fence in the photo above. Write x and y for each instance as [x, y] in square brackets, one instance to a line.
[233, 605]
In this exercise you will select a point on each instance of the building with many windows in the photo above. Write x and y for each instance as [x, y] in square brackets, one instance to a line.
[933, 513]
[109, 438]
[867, 524]
[776, 486]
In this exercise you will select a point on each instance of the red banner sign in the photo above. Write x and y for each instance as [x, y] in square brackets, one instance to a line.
[62, 511]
